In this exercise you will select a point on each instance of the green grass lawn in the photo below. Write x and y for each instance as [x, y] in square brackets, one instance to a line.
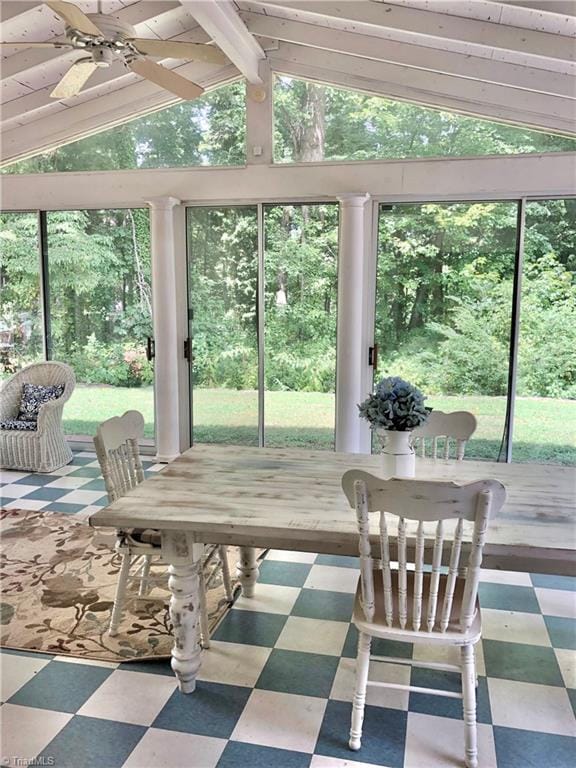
[545, 429]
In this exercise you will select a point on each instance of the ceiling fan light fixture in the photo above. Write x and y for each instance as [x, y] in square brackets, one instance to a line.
[102, 57]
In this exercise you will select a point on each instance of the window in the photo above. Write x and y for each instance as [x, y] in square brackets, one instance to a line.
[223, 285]
[264, 367]
[443, 307]
[317, 122]
[207, 131]
[545, 407]
[99, 300]
[300, 263]
[21, 331]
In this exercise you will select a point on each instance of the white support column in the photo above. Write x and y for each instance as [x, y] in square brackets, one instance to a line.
[163, 212]
[352, 370]
[259, 118]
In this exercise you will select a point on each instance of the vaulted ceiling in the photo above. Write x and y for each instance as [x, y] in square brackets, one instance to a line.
[513, 60]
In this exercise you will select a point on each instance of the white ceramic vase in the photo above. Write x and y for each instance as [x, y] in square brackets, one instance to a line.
[398, 457]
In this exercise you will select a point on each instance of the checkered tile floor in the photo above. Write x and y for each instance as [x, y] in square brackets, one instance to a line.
[275, 687]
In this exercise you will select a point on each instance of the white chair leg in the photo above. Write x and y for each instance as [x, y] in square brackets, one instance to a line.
[204, 625]
[120, 593]
[145, 577]
[469, 703]
[223, 553]
[359, 700]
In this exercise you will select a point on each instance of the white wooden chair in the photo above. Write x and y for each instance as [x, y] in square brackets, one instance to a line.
[457, 426]
[412, 605]
[116, 443]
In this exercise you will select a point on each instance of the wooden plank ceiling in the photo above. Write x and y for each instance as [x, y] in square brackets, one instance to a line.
[511, 60]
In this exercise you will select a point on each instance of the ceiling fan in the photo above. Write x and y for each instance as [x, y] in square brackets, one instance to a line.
[105, 39]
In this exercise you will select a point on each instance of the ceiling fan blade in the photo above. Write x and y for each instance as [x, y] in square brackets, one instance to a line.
[38, 45]
[179, 50]
[74, 17]
[74, 80]
[167, 79]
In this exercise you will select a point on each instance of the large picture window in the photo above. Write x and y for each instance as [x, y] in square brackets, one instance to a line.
[316, 122]
[206, 131]
[443, 308]
[99, 300]
[21, 333]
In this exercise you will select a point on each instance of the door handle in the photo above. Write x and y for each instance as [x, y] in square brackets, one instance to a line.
[188, 349]
[373, 356]
[150, 348]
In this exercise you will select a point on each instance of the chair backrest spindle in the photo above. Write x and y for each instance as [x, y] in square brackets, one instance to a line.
[455, 427]
[418, 578]
[116, 443]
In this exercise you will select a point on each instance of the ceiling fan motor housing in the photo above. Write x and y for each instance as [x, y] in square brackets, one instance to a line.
[114, 32]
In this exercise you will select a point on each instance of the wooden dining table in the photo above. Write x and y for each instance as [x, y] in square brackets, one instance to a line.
[292, 499]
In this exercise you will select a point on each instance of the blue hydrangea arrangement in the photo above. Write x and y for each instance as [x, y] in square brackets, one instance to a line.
[396, 405]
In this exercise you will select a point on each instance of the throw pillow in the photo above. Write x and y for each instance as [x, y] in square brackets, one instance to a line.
[34, 396]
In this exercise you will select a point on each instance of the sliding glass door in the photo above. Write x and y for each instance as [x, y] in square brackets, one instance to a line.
[443, 307]
[545, 405]
[223, 285]
[300, 267]
[262, 309]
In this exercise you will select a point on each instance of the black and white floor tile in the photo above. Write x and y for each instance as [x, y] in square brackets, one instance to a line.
[276, 685]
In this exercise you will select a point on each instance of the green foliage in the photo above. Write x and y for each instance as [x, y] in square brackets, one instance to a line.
[207, 131]
[445, 281]
[357, 126]
[120, 365]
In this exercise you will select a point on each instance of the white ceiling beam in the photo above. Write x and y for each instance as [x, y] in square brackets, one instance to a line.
[558, 7]
[221, 21]
[429, 59]
[30, 58]
[428, 88]
[437, 25]
[119, 106]
[480, 178]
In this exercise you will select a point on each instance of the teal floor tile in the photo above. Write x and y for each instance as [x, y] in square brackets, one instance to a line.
[440, 706]
[508, 597]
[61, 687]
[379, 647]
[525, 663]
[530, 749]
[237, 754]
[283, 574]
[306, 674]
[90, 741]
[64, 508]
[562, 632]
[322, 604]
[212, 710]
[250, 627]
[383, 735]
[553, 582]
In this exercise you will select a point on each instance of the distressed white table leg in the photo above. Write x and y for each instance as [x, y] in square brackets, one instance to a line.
[185, 560]
[248, 570]
[184, 583]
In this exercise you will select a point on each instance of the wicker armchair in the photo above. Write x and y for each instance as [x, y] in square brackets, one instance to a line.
[45, 448]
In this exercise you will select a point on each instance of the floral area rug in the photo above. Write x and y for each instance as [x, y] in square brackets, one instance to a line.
[57, 581]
